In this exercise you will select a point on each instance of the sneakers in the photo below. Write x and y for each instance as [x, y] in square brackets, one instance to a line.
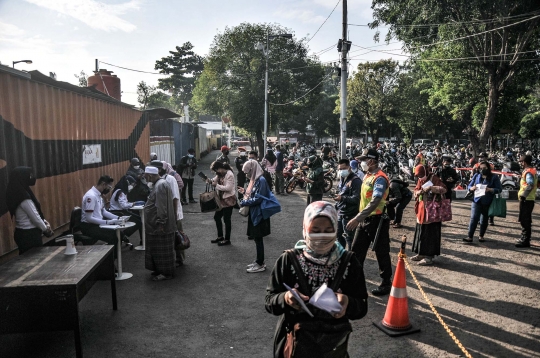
[523, 243]
[256, 268]
[383, 289]
[467, 239]
[426, 261]
[218, 240]
[253, 263]
[224, 242]
[481, 239]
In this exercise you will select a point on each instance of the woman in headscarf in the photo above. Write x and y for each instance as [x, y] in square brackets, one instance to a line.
[258, 227]
[22, 204]
[270, 161]
[120, 205]
[318, 257]
[427, 236]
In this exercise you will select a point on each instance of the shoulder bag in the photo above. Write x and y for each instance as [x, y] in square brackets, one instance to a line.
[209, 201]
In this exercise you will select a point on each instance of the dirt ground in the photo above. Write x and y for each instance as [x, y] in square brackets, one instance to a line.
[487, 293]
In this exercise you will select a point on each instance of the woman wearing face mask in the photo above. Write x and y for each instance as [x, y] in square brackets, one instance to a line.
[427, 236]
[480, 205]
[226, 187]
[119, 204]
[319, 257]
[258, 227]
[24, 206]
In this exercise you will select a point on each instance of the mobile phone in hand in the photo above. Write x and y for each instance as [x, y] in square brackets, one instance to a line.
[203, 176]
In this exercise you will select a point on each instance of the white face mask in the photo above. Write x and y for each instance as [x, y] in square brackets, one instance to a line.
[150, 185]
[365, 166]
[322, 242]
[136, 167]
[344, 173]
[190, 155]
[130, 188]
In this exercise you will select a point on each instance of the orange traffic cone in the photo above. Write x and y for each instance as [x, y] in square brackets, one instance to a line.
[396, 319]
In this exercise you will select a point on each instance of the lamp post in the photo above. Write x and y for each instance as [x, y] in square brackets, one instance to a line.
[25, 61]
[266, 52]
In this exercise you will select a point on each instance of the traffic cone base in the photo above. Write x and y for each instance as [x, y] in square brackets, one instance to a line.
[394, 332]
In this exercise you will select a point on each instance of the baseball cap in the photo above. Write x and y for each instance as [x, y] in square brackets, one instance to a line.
[224, 148]
[368, 154]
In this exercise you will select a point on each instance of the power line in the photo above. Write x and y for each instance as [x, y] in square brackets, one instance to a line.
[131, 69]
[305, 94]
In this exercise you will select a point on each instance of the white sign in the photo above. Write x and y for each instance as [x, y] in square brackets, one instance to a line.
[91, 154]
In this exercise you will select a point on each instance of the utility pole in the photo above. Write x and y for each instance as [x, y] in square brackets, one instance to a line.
[345, 45]
[265, 98]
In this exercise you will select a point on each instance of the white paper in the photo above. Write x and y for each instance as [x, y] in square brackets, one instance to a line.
[480, 190]
[427, 184]
[326, 300]
[300, 301]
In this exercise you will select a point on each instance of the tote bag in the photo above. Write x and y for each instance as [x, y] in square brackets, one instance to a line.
[209, 201]
[497, 207]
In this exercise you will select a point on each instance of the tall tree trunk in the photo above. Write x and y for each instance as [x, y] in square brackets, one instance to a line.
[491, 111]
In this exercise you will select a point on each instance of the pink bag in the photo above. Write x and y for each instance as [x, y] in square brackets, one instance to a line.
[433, 210]
[446, 210]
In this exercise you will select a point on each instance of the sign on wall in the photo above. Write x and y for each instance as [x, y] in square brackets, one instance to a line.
[91, 153]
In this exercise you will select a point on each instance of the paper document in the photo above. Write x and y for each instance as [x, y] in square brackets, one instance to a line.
[326, 300]
[480, 190]
[300, 301]
[427, 184]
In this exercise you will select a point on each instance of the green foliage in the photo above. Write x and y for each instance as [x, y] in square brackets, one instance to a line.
[83, 79]
[530, 123]
[144, 91]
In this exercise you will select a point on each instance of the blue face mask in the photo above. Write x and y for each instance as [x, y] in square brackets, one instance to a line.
[344, 173]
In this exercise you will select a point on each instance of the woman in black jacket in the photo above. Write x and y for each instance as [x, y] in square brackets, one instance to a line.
[318, 258]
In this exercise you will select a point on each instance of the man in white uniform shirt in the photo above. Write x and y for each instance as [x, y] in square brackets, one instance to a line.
[94, 213]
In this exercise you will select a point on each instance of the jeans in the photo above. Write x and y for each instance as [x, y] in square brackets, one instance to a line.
[400, 207]
[188, 185]
[226, 214]
[280, 182]
[525, 218]
[479, 212]
[345, 237]
[259, 245]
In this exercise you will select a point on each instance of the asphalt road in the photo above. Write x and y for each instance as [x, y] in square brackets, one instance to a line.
[487, 293]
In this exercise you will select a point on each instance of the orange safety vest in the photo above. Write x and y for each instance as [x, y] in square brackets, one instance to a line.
[366, 192]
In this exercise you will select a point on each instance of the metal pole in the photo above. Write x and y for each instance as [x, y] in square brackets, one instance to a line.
[343, 142]
[97, 65]
[265, 99]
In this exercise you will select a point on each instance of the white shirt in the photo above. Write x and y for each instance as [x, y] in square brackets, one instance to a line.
[27, 216]
[122, 203]
[93, 208]
[176, 195]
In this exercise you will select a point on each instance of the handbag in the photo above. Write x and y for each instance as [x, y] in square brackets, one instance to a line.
[269, 206]
[181, 241]
[433, 210]
[497, 207]
[209, 201]
[446, 209]
[244, 211]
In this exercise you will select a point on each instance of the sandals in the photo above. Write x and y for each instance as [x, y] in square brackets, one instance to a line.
[161, 277]
[426, 261]
[417, 258]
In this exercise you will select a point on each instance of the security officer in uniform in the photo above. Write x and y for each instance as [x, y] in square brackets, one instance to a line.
[526, 195]
[239, 163]
[373, 196]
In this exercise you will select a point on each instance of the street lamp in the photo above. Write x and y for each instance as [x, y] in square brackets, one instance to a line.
[25, 61]
[266, 52]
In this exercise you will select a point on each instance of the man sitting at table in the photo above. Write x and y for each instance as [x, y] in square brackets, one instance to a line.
[94, 213]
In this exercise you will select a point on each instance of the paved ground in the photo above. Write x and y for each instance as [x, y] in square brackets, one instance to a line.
[487, 293]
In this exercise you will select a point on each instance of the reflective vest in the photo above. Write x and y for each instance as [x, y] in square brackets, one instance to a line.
[367, 192]
[421, 158]
[523, 183]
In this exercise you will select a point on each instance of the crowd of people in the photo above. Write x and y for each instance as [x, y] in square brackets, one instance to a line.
[336, 235]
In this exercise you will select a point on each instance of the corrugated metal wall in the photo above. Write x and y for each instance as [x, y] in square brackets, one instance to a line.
[185, 136]
[45, 127]
[203, 140]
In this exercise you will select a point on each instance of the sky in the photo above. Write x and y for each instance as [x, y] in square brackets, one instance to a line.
[66, 36]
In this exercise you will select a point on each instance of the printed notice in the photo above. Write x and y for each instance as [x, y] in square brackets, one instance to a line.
[91, 154]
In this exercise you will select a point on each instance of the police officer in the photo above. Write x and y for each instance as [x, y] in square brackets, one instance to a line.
[347, 201]
[373, 195]
[526, 195]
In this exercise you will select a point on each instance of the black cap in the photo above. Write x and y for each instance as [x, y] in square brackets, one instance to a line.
[369, 154]
[157, 164]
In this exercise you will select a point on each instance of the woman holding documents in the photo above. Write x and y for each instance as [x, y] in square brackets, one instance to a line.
[484, 185]
[427, 236]
[316, 287]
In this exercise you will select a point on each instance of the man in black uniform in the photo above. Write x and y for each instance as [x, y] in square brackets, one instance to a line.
[187, 166]
[239, 163]
[347, 201]
[326, 151]
[449, 176]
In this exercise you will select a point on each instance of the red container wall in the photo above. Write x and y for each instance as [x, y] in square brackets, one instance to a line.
[46, 127]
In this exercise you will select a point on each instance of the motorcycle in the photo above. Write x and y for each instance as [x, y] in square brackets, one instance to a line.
[297, 179]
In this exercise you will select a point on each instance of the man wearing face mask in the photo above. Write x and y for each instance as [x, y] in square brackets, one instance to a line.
[314, 179]
[187, 166]
[223, 157]
[373, 195]
[527, 194]
[347, 201]
[239, 163]
[449, 176]
[94, 213]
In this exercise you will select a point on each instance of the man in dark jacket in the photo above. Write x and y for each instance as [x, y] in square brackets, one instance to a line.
[347, 201]
[314, 179]
[186, 167]
[280, 181]
[399, 197]
[239, 163]
[449, 176]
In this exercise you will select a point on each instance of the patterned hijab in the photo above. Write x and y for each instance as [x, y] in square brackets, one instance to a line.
[314, 210]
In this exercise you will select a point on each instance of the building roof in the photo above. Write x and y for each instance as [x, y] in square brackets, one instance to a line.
[211, 126]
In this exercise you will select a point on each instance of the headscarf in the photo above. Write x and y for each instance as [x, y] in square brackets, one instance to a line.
[420, 171]
[270, 156]
[322, 251]
[170, 171]
[253, 171]
[123, 185]
[18, 190]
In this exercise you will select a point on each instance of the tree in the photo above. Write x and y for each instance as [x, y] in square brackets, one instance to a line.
[184, 67]
[232, 82]
[83, 79]
[530, 123]
[144, 91]
[496, 35]
[371, 93]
